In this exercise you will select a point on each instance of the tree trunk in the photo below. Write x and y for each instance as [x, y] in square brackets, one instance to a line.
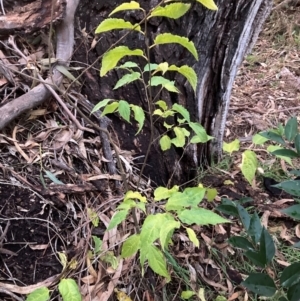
[222, 39]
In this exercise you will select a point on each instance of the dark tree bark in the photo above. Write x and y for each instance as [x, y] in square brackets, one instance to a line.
[222, 39]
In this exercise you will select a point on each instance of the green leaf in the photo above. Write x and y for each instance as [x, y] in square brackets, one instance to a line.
[150, 67]
[292, 187]
[240, 242]
[63, 69]
[126, 79]
[201, 135]
[162, 193]
[124, 110]
[256, 257]
[232, 146]
[228, 207]
[127, 204]
[291, 129]
[211, 193]
[190, 197]
[93, 216]
[113, 23]
[139, 116]
[135, 195]
[173, 11]
[132, 5]
[273, 148]
[249, 165]
[182, 111]
[193, 237]
[293, 292]
[157, 262]
[112, 57]
[168, 38]
[165, 142]
[117, 218]
[285, 153]
[293, 211]
[53, 178]
[244, 216]
[166, 232]
[101, 104]
[188, 73]
[270, 135]
[69, 290]
[200, 216]
[297, 143]
[130, 246]
[261, 284]
[255, 228]
[210, 4]
[179, 140]
[129, 65]
[110, 108]
[40, 294]
[97, 244]
[159, 80]
[267, 246]
[187, 295]
[290, 275]
[259, 139]
[162, 104]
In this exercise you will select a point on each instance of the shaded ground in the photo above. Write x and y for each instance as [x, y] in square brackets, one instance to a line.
[37, 228]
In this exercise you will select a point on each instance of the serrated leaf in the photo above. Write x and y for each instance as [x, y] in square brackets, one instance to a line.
[150, 67]
[165, 142]
[114, 23]
[129, 65]
[173, 11]
[171, 87]
[163, 67]
[291, 129]
[126, 79]
[40, 294]
[162, 193]
[132, 5]
[166, 232]
[162, 104]
[261, 284]
[101, 104]
[110, 108]
[159, 80]
[157, 262]
[200, 216]
[188, 72]
[124, 110]
[272, 148]
[182, 111]
[190, 197]
[117, 218]
[69, 290]
[231, 147]
[112, 57]
[192, 237]
[200, 133]
[168, 38]
[210, 4]
[249, 165]
[134, 195]
[53, 178]
[259, 139]
[131, 246]
[139, 116]
[179, 140]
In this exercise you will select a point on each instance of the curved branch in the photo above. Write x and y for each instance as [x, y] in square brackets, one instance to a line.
[36, 96]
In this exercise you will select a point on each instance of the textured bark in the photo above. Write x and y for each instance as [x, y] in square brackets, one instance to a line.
[222, 39]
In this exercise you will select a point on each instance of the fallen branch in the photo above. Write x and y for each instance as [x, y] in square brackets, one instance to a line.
[36, 96]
